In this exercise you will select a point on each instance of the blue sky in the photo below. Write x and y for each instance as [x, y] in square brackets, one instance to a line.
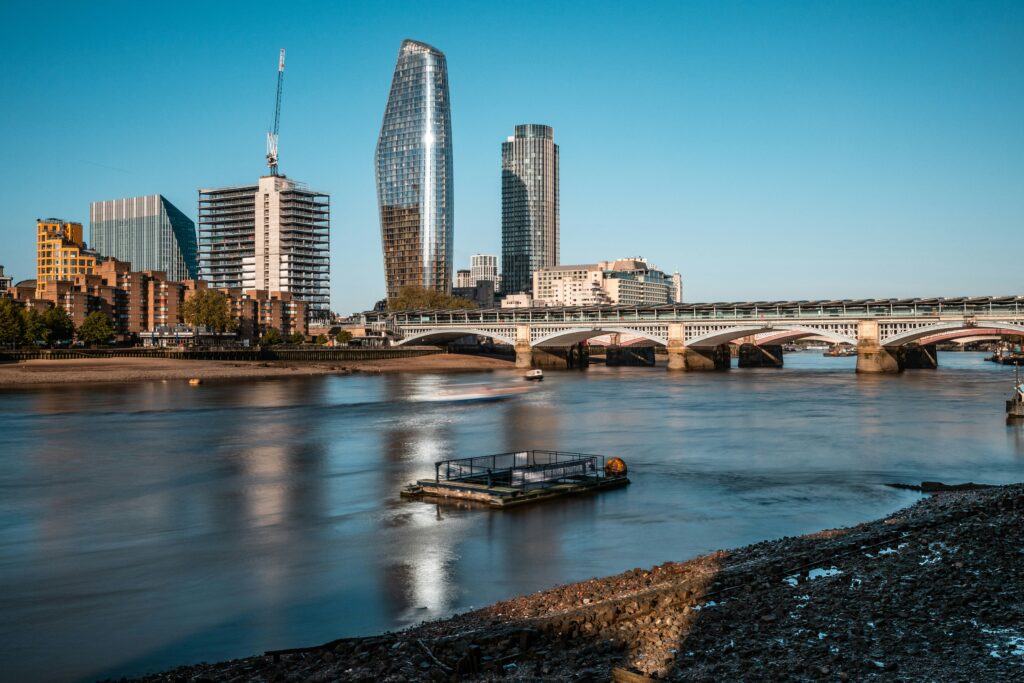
[765, 150]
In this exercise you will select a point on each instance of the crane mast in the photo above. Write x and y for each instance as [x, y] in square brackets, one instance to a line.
[272, 135]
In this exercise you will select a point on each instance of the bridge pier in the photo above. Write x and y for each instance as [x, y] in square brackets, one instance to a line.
[872, 357]
[575, 357]
[524, 351]
[754, 356]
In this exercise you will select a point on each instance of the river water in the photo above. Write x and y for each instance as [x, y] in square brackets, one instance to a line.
[154, 524]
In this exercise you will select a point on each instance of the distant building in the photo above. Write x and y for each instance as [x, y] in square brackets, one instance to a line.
[273, 236]
[61, 253]
[481, 293]
[626, 282]
[6, 283]
[529, 206]
[149, 232]
[414, 173]
[484, 267]
[517, 301]
[463, 279]
[677, 288]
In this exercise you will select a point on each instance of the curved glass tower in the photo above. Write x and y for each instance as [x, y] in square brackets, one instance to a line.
[414, 173]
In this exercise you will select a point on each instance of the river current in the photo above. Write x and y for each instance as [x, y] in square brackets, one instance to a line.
[148, 525]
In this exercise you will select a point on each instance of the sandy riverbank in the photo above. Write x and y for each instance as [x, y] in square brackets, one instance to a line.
[934, 592]
[89, 370]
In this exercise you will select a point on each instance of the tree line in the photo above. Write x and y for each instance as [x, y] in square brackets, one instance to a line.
[52, 327]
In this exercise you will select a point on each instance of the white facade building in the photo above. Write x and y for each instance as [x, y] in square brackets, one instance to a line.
[483, 267]
[517, 301]
[463, 279]
[626, 282]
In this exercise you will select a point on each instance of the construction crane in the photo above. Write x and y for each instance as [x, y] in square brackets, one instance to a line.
[272, 135]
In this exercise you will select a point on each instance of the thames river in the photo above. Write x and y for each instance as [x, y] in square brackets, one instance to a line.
[155, 524]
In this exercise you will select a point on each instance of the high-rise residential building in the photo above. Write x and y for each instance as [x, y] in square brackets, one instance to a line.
[6, 283]
[61, 254]
[625, 282]
[463, 278]
[529, 205]
[273, 236]
[148, 232]
[484, 267]
[677, 288]
[414, 173]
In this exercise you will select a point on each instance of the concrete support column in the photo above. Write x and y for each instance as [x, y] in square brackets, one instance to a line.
[872, 357]
[524, 350]
[676, 346]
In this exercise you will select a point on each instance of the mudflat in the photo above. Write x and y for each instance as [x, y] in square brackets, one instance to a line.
[932, 592]
[87, 370]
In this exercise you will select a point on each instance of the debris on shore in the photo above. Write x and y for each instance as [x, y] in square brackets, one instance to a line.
[933, 590]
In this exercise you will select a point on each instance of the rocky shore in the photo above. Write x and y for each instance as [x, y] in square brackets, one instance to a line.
[90, 370]
[936, 591]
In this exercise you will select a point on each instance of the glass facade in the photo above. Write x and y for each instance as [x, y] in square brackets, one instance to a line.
[414, 173]
[529, 206]
[227, 235]
[148, 232]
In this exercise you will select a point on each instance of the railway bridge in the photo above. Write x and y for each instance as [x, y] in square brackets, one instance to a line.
[889, 334]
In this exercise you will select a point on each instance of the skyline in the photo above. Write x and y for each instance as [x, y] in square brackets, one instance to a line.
[775, 153]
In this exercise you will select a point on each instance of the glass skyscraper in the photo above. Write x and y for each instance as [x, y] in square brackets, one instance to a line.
[149, 232]
[529, 206]
[414, 173]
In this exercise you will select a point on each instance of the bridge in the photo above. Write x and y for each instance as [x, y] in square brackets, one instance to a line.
[889, 334]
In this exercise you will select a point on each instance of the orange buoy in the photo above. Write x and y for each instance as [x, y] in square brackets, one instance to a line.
[615, 467]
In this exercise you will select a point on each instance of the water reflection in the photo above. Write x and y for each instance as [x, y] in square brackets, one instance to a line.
[148, 525]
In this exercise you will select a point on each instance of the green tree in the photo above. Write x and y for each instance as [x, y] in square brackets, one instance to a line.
[411, 297]
[321, 339]
[343, 337]
[271, 337]
[96, 329]
[297, 338]
[210, 309]
[12, 324]
[34, 329]
[58, 325]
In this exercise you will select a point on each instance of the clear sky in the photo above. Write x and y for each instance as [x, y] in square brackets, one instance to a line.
[765, 150]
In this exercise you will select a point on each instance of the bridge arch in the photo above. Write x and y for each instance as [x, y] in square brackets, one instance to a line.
[575, 336]
[449, 334]
[942, 329]
[785, 333]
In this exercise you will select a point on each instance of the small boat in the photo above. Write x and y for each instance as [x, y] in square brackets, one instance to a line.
[1015, 404]
[195, 381]
[535, 375]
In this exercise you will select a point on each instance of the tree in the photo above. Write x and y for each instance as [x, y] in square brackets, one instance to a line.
[271, 337]
[296, 338]
[12, 325]
[34, 330]
[96, 329]
[412, 297]
[210, 309]
[343, 337]
[321, 339]
[58, 325]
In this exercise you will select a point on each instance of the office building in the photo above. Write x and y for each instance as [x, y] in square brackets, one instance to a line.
[414, 173]
[484, 267]
[529, 206]
[148, 232]
[625, 282]
[61, 253]
[273, 236]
